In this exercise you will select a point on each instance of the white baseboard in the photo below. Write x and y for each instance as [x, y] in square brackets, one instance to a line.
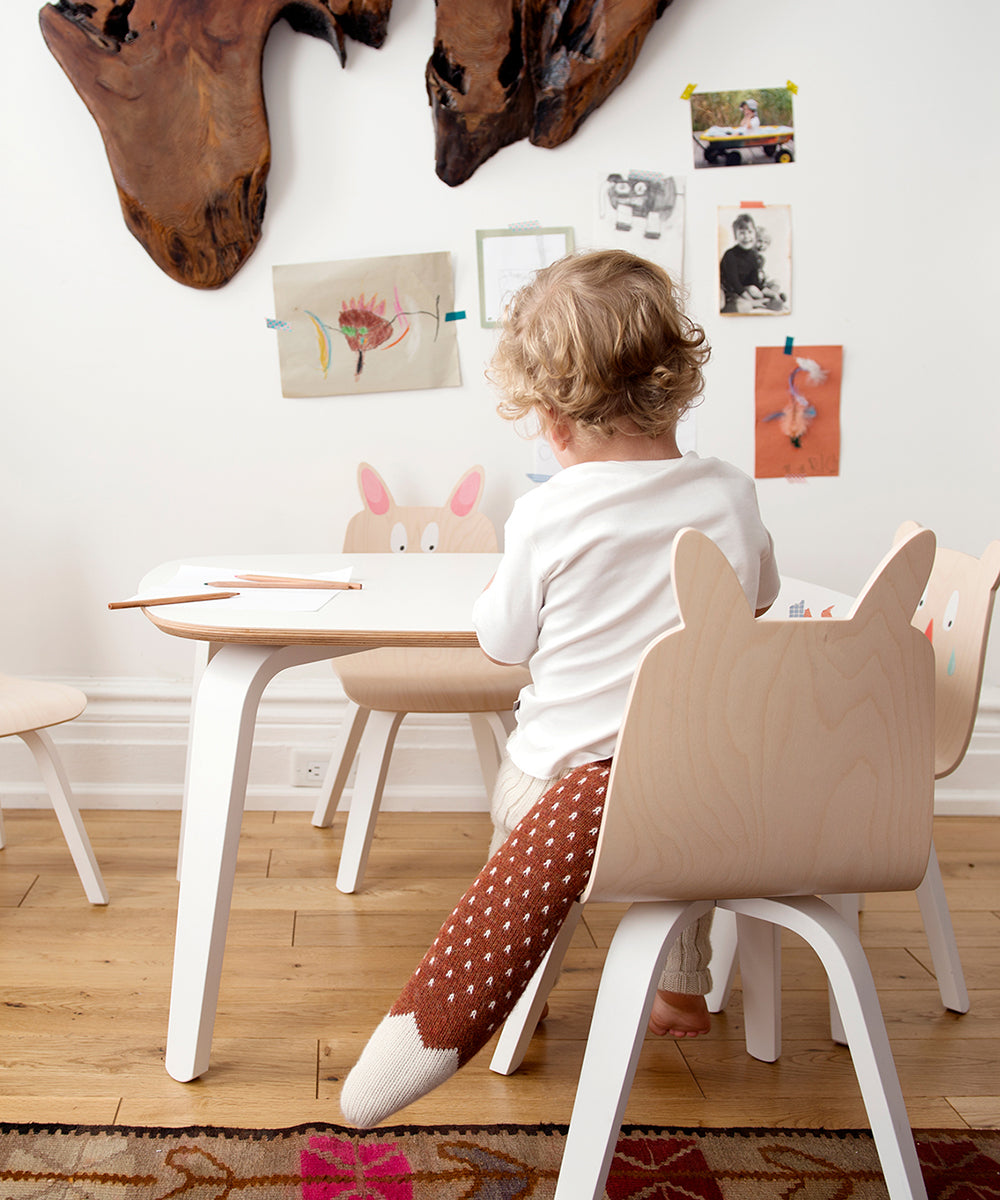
[974, 788]
[128, 751]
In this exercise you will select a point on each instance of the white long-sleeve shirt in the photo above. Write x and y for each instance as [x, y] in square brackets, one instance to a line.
[585, 585]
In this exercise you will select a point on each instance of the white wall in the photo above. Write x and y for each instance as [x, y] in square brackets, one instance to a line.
[143, 420]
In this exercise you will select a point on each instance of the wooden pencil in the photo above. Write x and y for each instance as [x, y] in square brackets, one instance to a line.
[143, 602]
[283, 581]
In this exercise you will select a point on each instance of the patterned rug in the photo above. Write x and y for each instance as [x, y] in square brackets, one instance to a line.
[487, 1162]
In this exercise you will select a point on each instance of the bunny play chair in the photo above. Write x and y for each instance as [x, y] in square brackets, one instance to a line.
[760, 764]
[383, 685]
[954, 612]
[27, 708]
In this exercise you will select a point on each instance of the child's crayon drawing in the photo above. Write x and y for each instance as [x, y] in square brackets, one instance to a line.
[367, 325]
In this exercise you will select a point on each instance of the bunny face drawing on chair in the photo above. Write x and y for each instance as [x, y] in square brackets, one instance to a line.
[384, 526]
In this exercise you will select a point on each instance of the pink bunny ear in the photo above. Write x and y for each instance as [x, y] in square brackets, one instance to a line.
[374, 493]
[466, 495]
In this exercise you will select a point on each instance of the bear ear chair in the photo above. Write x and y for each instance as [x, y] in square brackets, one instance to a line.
[703, 808]
[383, 685]
[954, 612]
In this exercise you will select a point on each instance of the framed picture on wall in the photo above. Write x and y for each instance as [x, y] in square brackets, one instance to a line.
[508, 258]
[755, 259]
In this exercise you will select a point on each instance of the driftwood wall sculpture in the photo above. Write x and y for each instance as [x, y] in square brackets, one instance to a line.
[175, 88]
[507, 69]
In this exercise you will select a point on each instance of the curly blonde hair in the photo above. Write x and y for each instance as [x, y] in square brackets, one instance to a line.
[599, 338]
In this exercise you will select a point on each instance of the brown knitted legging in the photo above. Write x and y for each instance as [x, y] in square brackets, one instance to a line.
[485, 953]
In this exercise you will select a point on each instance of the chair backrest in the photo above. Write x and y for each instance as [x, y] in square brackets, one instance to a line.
[955, 613]
[764, 758]
[384, 527]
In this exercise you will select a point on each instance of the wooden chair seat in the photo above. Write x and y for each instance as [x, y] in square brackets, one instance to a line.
[429, 680]
[27, 704]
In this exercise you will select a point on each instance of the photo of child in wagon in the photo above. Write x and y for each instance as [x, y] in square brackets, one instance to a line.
[740, 129]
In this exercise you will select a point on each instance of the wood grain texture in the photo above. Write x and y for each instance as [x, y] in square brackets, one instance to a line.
[769, 758]
[429, 680]
[503, 70]
[175, 89]
[27, 704]
[85, 1043]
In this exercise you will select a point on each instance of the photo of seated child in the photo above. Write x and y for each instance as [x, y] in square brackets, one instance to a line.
[754, 271]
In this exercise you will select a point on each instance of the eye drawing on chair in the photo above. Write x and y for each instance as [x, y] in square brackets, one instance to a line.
[455, 526]
[945, 611]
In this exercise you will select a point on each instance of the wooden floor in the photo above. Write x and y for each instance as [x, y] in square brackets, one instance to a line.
[309, 972]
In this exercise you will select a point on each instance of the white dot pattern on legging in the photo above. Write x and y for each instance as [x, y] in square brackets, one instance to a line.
[487, 951]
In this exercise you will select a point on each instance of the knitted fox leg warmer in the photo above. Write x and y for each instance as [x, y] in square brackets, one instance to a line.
[485, 954]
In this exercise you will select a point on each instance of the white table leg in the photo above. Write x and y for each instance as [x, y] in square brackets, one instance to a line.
[221, 738]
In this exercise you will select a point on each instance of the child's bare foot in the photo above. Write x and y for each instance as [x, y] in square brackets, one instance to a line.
[679, 1015]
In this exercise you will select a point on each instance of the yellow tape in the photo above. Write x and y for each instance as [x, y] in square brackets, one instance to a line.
[688, 91]
[792, 87]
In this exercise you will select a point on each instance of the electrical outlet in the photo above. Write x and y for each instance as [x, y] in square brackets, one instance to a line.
[308, 768]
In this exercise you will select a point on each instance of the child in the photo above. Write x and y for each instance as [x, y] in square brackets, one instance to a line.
[748, 115]
[774, 297]
[597, 348]
[740, 269]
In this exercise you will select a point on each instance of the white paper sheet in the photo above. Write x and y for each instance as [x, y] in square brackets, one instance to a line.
[189, 580]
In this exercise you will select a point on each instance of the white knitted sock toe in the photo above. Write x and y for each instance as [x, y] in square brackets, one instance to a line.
[395, 1068]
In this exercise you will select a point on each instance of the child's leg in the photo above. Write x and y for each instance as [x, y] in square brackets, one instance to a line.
[485, 954]
[514, 795]
[680, 1008]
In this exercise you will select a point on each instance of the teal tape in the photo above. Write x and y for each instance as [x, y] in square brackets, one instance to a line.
[455, 316]
[788, 345]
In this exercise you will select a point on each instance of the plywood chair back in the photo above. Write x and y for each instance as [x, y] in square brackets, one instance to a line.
[425, 680]
[774, 758]
[955, 612]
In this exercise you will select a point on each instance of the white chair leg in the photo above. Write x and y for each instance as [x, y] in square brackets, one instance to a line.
[487, 747]
[725, 956]
[941, 938]
[341, 761]
[760, 976]
[847, 968]
[57, 783]
[373, 765]
[621, 1014]
[519, 1028]
[849, 907]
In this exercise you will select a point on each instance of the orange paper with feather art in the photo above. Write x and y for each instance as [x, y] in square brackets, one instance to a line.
[797, 429]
